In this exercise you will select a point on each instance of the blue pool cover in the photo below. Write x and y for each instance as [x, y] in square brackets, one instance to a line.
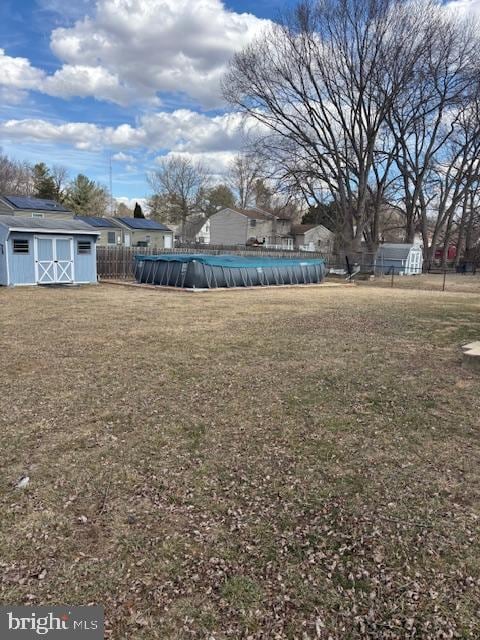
[203, 271]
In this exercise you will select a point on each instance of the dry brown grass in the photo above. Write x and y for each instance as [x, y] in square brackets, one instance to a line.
[454, 283]
[260, 464]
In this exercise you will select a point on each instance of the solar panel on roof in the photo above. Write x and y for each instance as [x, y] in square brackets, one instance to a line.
[143, 223]
[96, 222]
[23, 202]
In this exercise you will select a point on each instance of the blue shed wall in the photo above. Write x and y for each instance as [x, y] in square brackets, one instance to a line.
[386, 265]
[21, 266]
[3, 256]
[85, 264]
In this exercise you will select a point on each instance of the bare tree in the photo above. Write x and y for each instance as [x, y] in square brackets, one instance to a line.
[452, 178]
[425, 117]
[322, 84]
[59, 175]
[179, 186]
[243, 174]
[15, 177]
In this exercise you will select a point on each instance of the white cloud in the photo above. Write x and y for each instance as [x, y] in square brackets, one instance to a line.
[181, 131]
[463, 7]
[82, 81]
[123, 157]
[18, 74]
[133, 49]
[130, 202]
[216, 162]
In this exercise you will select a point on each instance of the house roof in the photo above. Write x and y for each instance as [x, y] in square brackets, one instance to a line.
[395, 251]
[45, 225]
[300, 229]
[99, 223]
[143, 224]
[25, 203]
[255, 214]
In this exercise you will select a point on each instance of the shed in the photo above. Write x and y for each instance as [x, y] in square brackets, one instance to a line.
[402, 259]
[45, 251]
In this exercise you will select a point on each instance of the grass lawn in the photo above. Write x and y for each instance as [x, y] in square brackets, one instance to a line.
[454, 282]
[296, 463]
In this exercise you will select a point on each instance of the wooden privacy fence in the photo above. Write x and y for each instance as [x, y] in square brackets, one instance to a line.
[118, 263]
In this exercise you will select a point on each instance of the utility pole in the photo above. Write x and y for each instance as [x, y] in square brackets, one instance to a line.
[111, 183]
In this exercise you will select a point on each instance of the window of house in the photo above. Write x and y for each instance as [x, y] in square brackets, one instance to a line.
[253, 223]
[147, 239]
[84, 246]
[37, 215]
[111, 237]
[21, 246]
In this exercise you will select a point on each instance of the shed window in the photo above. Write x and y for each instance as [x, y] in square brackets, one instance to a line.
[253, 223]
[111, 237]
[21, 246]
[37, 215]
[84, 247]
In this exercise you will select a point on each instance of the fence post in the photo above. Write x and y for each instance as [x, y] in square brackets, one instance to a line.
[444, 279]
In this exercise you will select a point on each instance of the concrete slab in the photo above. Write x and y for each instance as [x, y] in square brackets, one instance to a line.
[471, 355]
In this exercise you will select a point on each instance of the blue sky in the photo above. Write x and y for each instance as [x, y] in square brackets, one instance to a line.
[127, 79]
[83, 81]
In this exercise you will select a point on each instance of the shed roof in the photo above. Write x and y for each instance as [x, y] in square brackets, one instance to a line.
[393, 251]
[143, 224]
[46, 225]
[25, 203]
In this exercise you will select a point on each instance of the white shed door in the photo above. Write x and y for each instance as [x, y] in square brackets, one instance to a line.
[45, 261]
[54, 260]
[63, 260]
[167, 242]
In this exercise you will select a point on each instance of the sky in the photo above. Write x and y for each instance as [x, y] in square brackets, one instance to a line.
[86, 83]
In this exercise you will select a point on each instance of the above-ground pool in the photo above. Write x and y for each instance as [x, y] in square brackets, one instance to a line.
[193, 271]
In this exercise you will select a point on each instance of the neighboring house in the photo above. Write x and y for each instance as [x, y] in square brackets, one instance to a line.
[45, 251]
[313, 237]
[111, 233]
[33, 208]
[232, 226]
[197, 229]
[451, 253]
[142, 232]
[402, 259]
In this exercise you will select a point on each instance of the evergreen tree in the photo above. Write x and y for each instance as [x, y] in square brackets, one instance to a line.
[137, 212]
[326, 214]
[216, 198]
[43, 182]
[87, 197]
